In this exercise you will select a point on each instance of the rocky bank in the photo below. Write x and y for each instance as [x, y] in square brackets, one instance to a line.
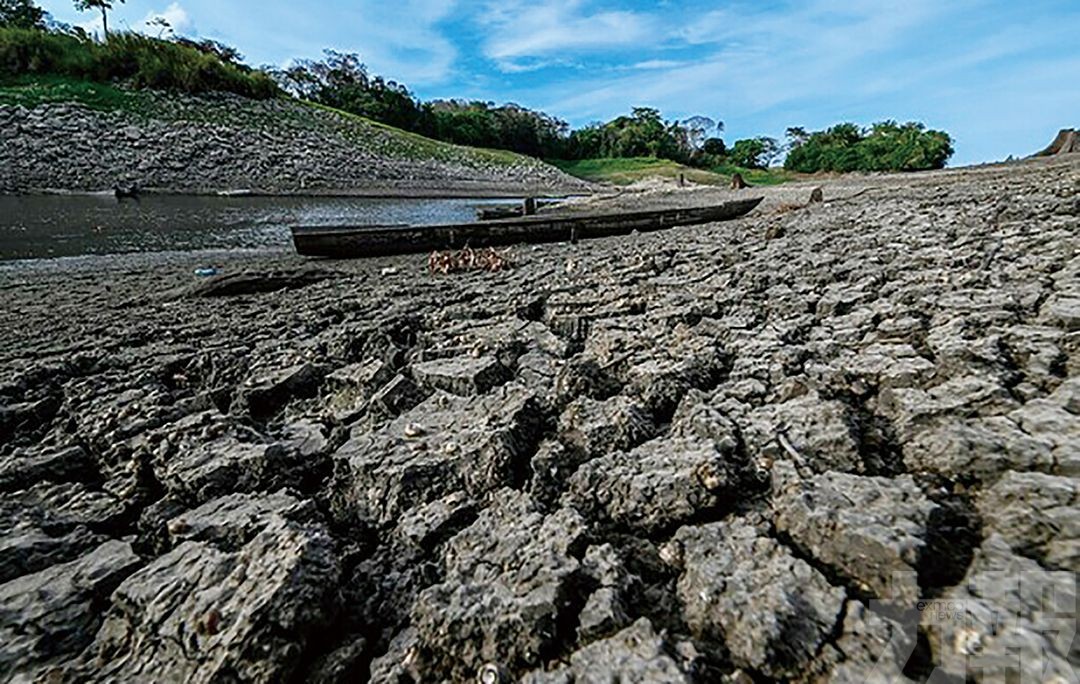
[185, 144]
[835, 442]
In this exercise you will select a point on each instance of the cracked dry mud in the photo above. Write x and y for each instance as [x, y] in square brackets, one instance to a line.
[736, 452]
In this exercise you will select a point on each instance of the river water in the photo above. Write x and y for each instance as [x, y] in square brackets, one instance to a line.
[48, 227]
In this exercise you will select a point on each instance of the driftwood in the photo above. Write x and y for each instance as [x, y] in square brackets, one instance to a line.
[126, 192]
[255, 282]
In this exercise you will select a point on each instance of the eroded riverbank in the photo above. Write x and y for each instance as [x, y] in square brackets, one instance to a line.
[702, 454]
[187, 144]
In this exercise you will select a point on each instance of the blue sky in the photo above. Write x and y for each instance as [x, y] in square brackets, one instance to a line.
[1000, 75]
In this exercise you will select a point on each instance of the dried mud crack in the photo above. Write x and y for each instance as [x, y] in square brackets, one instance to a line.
[737, 452]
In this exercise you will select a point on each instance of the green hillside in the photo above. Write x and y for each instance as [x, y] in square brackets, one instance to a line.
[626, 170]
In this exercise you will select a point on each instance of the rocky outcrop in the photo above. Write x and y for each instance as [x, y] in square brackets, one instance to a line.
[844, 452]
[1067, 141]
[225, 142]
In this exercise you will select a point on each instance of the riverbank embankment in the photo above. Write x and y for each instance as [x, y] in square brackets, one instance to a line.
[226, 143]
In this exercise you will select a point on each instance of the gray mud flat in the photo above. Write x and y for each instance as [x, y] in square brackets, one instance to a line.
[781, 448]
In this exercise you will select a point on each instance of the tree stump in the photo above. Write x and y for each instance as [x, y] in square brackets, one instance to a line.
[737, 182]
[817, 196]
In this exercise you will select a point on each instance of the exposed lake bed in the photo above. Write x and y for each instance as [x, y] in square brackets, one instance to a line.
[660, 449]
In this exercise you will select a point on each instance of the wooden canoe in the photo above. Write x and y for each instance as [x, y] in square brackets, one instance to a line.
[367, 241]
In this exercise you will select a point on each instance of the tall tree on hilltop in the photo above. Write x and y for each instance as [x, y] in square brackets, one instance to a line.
[699, 128]
[103, 5]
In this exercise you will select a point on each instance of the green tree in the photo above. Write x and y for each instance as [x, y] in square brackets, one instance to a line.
[714, 146]
[885, 146]
[770, 150]
[226, 53]
[22, 14]
[748, 153]
[796, 135]
[644, 133]
[698, 128]
[103, 5]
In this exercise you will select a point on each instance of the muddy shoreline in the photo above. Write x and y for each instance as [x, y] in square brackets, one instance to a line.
[447, 191]
[736, 452]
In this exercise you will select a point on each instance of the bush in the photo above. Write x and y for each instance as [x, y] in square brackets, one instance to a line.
[135, 59]
[152, 63]
[30, 51]
[886, 146]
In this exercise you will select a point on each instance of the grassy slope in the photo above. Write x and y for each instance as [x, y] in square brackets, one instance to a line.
[626, 171]
[372, 136]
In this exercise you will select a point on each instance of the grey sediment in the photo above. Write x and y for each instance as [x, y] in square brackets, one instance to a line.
[743, 451]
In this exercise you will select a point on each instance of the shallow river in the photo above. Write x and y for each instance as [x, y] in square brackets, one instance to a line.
[44, 227]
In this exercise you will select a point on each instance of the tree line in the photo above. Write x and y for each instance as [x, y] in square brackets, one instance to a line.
[342, 81]
[30, 42]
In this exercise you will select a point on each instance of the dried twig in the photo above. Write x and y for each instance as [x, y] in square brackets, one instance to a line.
[469, 259]
[782, 437]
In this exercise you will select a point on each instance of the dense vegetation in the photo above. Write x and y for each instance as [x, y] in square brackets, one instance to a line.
[28, 48]
[21, 14]
[886, 146]
[342, 81]
[31, 45]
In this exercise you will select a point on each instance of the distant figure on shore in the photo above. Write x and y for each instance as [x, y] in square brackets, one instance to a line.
[737, 182]
[128, 192]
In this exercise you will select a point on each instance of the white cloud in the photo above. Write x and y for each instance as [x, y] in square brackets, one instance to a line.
[174, 15]
[757, 60]
[401, 40]
[655, 64]
[525, 33]
[962, 66]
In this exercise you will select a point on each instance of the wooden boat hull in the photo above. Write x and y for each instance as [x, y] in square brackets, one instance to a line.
[370, 241]
[503, 211]
[496, 213]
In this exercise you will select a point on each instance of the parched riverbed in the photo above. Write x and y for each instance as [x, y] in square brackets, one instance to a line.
[836, 442]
